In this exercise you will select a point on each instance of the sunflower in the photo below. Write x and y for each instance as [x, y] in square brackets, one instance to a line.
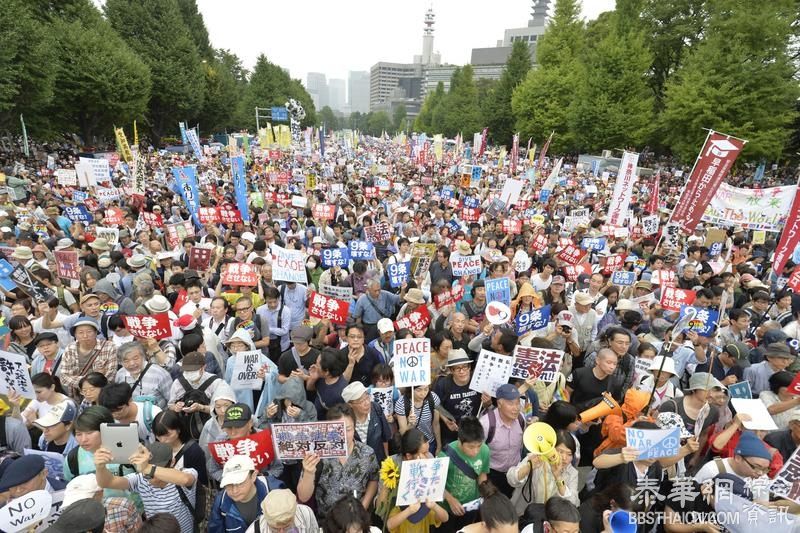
[390, 473]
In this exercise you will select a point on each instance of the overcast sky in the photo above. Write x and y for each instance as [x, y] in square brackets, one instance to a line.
[335, 37]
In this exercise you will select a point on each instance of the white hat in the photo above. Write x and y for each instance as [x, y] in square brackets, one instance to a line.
[627, 305]
[669, 365]
[317, 240]
[583, 298]
[565, 318]
[236, 470]
[353, 391]
[248, 236]
[385, 325]
[80, 488]
[157, 304]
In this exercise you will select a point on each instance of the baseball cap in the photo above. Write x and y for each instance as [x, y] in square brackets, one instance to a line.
[237, 468]
[81, 487]
[63, 412]
[507, 391]
[558, 280]
[237, 416]
[302, 334]
[740, 352]
[45, 336]
[385, 325]
[565, 318]
[751, 446]
[161, 453]
[354, 391]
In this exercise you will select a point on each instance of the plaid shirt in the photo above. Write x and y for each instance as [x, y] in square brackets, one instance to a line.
[156, 382]
[121, 515]
[105, 363]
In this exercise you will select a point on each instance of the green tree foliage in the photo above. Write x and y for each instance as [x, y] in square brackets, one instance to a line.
[378, 122]
[459, 110]
[197, 28]
[424, 121]
[737, 80]
[225, 82]
[496, 107]
[399, 118]
[270, 85]
[328, 119]
[156, 31]
[543, 102]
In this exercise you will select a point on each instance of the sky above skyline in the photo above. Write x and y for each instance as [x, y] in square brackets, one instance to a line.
[362, 32]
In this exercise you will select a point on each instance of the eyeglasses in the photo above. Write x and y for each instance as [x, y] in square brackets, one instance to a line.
[461, 368]
[240, 309]
[756, 468]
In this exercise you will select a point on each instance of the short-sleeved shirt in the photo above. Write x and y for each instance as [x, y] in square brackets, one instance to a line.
[165, 500]
[335, 480]
[424, 415]
[458, 400]
[460, 485]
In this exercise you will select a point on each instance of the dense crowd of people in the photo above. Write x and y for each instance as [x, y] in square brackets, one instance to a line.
[628, 362]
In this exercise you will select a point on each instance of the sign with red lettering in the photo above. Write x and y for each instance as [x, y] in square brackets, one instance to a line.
[571, 254]
[199, 258]
[274, 155]
[91, 204]
[325, 307]
[794, 386]
[114, 216]
[240, 274]
[794, 280]
[177, 232]
[417, 320]
[371, 192]
[378, 232]
[229, 215]
[665, 278]
[67, 264]
[613, 263]
[512, 226]
[324, 211]
[449, 296]
[418, 193]
[154, 220]
[673, 299]
[208, 215]
[257, 446]
[573, 271]
[149, 326]
[412, 362]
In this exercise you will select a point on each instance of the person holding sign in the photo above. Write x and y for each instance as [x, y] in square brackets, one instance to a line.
[249, 365]
[417, 407]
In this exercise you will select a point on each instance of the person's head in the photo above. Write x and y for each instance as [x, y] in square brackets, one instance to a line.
[779, 356]
[414, 444]
[504, 341]
[244, 305]
[25, 474]
[470, 436]
[90, 386]
[373, 288]
[347, 516]
[358, 398]
[618, 340]
[596, 282]
[194, 290]
[219, 308]
[565, 446]
[457, 323]
[331, 364]
[562, 415]
[45, 386]
[382, 375]
[239, 478]
[355, 336]
[561, 516]
[160, 523]
[133, 358]
[85, 332]
[21, 327]
[279, 509]
[193, 366]
[169, 428]
[441, 344]
[497, 512]
[760, 302]
[739, 319]
[386, 330]
[508, 401]
[343, 412]
[57, 423]
[751, 458]
[118, 398]
[607, 360]
[87, 426]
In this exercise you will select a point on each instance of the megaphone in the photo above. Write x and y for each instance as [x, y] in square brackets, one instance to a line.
[540, 439]
[621, 522]
[608, 405]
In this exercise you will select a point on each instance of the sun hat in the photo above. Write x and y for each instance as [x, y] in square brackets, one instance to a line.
[136, 261]
[457, 357]
[157, 304]
[672, 421]
[582, 298]
[279, 507]
[353, 392]
[415, 296]
[100, 243]
[22, 253]
[64, 243]
[704, 381]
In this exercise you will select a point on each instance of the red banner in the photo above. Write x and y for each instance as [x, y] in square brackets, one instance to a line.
[371, 192]
[514, 153]
[67, 264]
[470, 214]
[789, 238]
[652, 205]
[449, 296]
[673, 299]
[539, 243]
[229, 215]
[417, 320]
[199, 258]
[712, 165]
[572, 272]
[512, 226]
[154, 220]
[322, 307]
[240, 274]
[571, 254]
[794, 280]
[257, 446]
[115, 216]
[613, 263]
[149, 326]
[208, 215]
[324, 211]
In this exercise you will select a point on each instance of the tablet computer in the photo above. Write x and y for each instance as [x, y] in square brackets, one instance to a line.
[122, 440]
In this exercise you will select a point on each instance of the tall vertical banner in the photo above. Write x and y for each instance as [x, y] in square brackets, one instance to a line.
[191, 136]
[789, 238]
[186, 183]
[484, 137]
[514, 153]
[240, 186]
[438, 147]
[182, 126]
[713, 164]
[623, 188]
[124, 147]
[543, 154]
[135, 134]
[652, 205]
[550, 182]
[322, 140]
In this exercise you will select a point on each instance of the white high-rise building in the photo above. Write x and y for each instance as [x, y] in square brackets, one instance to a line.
[317, 86]
[428, 57]
[337, 94]
[358, 91]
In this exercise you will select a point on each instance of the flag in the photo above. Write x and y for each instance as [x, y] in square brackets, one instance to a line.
[135, 134]
[182, 127]
[623, 188]
[514, 153]
[186, 185]
[712, 165]
[544, 153]
[759, 175]
[484, 137]
[531, 153]
[652, 205]
[322, 140]
[550, 182]
[25, 148]
[240, 186]
[789, 238]
[124, 148]
[438, 147]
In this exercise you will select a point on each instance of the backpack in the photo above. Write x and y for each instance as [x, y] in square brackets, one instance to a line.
[195, 421]
[201, 499]
[492, 414]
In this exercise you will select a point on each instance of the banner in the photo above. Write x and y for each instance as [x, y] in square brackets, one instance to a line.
[543, 364]
[550, 182]
[672, 298]
[335, 291]
[199, 258]
[422, 480]
[68, 177]
[124, 147]
[149, 326]
[514, 153]
[177, 232]
[325, 439]
[713, 164]
[194, 142]
[412, 362]
[337, 256]
[789, 238]
[240, 186]
[288, 265]
[257, 446]
[466, 265]
[623, 188]
[756, 209]
[67, 265]
[186, 186]
[328, 308]
[98, 169]
[652, 204]
[240, 274]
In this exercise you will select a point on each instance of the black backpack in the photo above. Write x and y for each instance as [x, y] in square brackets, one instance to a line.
[195, 421]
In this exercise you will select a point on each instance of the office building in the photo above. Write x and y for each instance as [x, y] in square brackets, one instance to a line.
[358, 91]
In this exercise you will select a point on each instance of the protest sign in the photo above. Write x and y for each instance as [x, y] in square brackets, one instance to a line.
[701, 319]
[673, 299]
[208, 215]
[498, 290]
[756, 209]
[14, 375]
[337, 256]
[466, 265]
[378, 232]
[449, 296]
[665, 278]
[740, 390]
[789, 238]
[383, 396]
[650, 225]
[335, 291]
[654, 443]
[412, 362]
[593, 243]
[469, 214]
[325, 439]
[532, 320]
[623, 278]
[109, 234]
[106, 195]
[97, 169]
[787, 483]
[245, 370]
[257, 446]
[199, 258]
[497, 313]
[78, 213]
[25, 513]
[324, 307]
[422, 480]
[67, 264]
[417, 320]
[491, 371]
[361, 250]
[53, 461]
[31, 285]
[114, 216]
[288, 265]
[229, 215]
[67, 177]
[760, 419]
[612, 263]
[177, 232]
[398, 273]
[544, 364]
[794, 386]
[571, 254]
[512, 226]
[240, 274]
[324, 211]
[149, 326]
[152, 219]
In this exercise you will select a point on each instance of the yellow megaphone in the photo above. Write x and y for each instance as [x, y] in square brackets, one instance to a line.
[607, 406]
[540, 439]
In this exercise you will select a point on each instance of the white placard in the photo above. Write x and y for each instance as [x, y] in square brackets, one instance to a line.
[14, 374]
[650, 225]
[67, 176]
[245, 370]
[288, 265]
[384, 396]
[760, 419]
[422, 480]
[26, 511]
[97, 167]
[491, 371]
[299, 201]
[109, 234]
[412, 362]
[511, 191]
[334, 291]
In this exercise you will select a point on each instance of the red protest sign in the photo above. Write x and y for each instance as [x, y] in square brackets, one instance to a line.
[449, 296]
[613, 263]
[418, 193]
[539, 243]
[371, 192]
[673, 299]
[571, 254]
[67, 264]
[115, 216]
[512, 226]
[152, 219]
[274, 155]
[149, 326]
[199, 258]
[378, 232]
[794, 280]
[573, 271]
[325, 307]
[417, 320]
[324, 211]
[91, 204]
[177, 232]
[208, 215]
[470, 214]
[665, 278]
[240, 274]
[257, 446]
[229, 215]
[794, 386]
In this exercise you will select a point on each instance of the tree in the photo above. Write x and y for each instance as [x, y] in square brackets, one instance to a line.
[378, 122]
[225, 82]
[738, 80]
[459, 111]
[543, 102]
[328, 119]
[269, 86]
[197, 28]
[497, 113]
[358, 121]
[100, 80]
[424, 121]
[399, 118]
[155, 30]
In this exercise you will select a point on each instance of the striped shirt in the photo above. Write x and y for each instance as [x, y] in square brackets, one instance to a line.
[424, 415]
[165, 500]
[156, 382]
